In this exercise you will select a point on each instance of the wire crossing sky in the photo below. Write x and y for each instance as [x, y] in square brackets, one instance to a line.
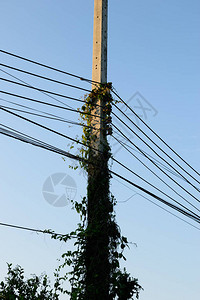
[154, 64]
[4, 108]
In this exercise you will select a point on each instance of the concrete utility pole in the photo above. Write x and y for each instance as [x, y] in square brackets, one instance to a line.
[97, 243]
[99, 66]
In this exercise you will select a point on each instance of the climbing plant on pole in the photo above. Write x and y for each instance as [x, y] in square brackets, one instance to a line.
[99, 246]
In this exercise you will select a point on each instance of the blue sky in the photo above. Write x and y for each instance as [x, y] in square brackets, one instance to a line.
[153, 50]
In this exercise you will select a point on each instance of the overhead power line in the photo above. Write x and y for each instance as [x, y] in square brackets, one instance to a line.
[79, 77]
[157, 166]
[193, 216]
[49, 104]
[41, 90]
[76, 99]
[154, 132]
[35, 142]
[153, 149]
[46, 78]
[157, 147]
[48, 67]
[159, 190]
[51, 130]
[153, 158]
[20, 80]
[46, 146]
[163, 181]
[30, 108]
[49, 232]
[65, 136]
[46, 128]
[44, 115]
[166, 210]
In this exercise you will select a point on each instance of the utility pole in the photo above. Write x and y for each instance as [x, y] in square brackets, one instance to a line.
[99, 68]
[97, 243]
[99, 65]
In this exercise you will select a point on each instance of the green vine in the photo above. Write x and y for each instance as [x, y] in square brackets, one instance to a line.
[120, 284]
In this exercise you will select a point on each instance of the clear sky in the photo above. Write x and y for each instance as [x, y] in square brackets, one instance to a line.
[154, 52]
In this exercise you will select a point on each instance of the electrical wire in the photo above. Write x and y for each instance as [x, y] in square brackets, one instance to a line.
[41, 90]
[85, 80]
[67, 154]
[51, 130]
[153, 149]
[32, 109]
[46, 78]
[153, 158]
[49, 67]
[35, 142]
[154, 132]
[88, 90]
[159, 179]
[20, 80]
[50, 104]
[47, 116]
[34, 230]
[5, 52]
[192, 216]
[58, 133]
[46, 128]
[157, 197]
[154, 173]
[141, 178]
[156, 165]
[158, 168]
[156, 146]
[166, 210]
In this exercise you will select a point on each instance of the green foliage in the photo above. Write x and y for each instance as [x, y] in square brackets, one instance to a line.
[124, 287]
[16, 287]
[121, 285]
[88, 120]
[104, 229]
[74, 259]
